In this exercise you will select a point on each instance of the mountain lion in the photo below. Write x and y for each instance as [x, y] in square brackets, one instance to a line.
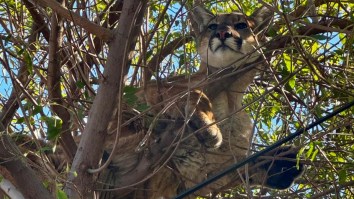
[201, 115]
[218, 132]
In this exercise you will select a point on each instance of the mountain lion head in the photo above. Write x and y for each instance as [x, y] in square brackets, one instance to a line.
[229, 39]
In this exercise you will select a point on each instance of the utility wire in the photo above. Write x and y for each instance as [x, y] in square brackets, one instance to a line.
[260, 153]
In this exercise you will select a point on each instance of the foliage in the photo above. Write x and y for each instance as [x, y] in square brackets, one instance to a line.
[307, 78]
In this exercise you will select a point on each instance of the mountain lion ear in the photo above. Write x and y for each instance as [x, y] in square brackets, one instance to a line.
[200, 18]
[262, 17]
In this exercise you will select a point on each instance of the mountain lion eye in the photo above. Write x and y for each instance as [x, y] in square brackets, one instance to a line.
[213, 26]
[240, 26]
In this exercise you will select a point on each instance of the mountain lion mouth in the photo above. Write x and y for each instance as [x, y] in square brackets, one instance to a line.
[231, 44]
[222, 47]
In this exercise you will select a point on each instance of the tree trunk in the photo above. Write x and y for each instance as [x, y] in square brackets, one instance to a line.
[81, 183]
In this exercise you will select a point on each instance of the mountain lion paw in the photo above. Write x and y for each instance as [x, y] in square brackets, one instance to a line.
[283, 170]
[210, 136]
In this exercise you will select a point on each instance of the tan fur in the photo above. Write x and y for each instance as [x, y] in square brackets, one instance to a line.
[177, 101]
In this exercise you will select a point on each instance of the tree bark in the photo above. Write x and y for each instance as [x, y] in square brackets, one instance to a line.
[54, 85]
[91, 145]
[93, 28]
[25, 178]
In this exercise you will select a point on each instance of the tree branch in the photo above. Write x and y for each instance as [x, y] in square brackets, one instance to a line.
[9, 189]
[54, 88]
[310, 29]
[10, 156]
[334, 189]
[11, 106]
[11, 159]
[90, 152]
[165, 51]
[103, 33]
[38, 19]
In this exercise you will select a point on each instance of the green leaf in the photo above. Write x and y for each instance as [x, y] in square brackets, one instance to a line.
[20, 52]
[142, 107]
[28, 60]
[301, 151]
[288, 63]
[37, 109]
[292, 82]
[129, 95]
[332, 154]
[28, 106]
[20, 120]
[54, 125]
[342, 175]
[101, 5]
[61, 194]
[343, 38]
[314, 155]
[272, 32]
[80, 84]
[298, 156]
[46, 149]
[181, 60]
[130, 90]
[309, 151]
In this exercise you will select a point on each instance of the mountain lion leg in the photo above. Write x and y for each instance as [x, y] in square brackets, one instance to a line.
[202, 120]
[281, 171]
[210, 135]
[194, 103]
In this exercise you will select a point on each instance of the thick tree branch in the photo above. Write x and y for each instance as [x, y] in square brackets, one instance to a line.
[11, 106]
[95, 48]
[11, 159]
[38, 19]
[9, 189]
[103, 33]
[54, 88]
[302, 8]
[328, 25]
[308, 30]
[90, 152]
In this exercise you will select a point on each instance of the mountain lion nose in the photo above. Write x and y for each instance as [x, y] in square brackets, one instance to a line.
[222, 35]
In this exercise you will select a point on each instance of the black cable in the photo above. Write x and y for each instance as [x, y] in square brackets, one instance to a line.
[260, 153]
